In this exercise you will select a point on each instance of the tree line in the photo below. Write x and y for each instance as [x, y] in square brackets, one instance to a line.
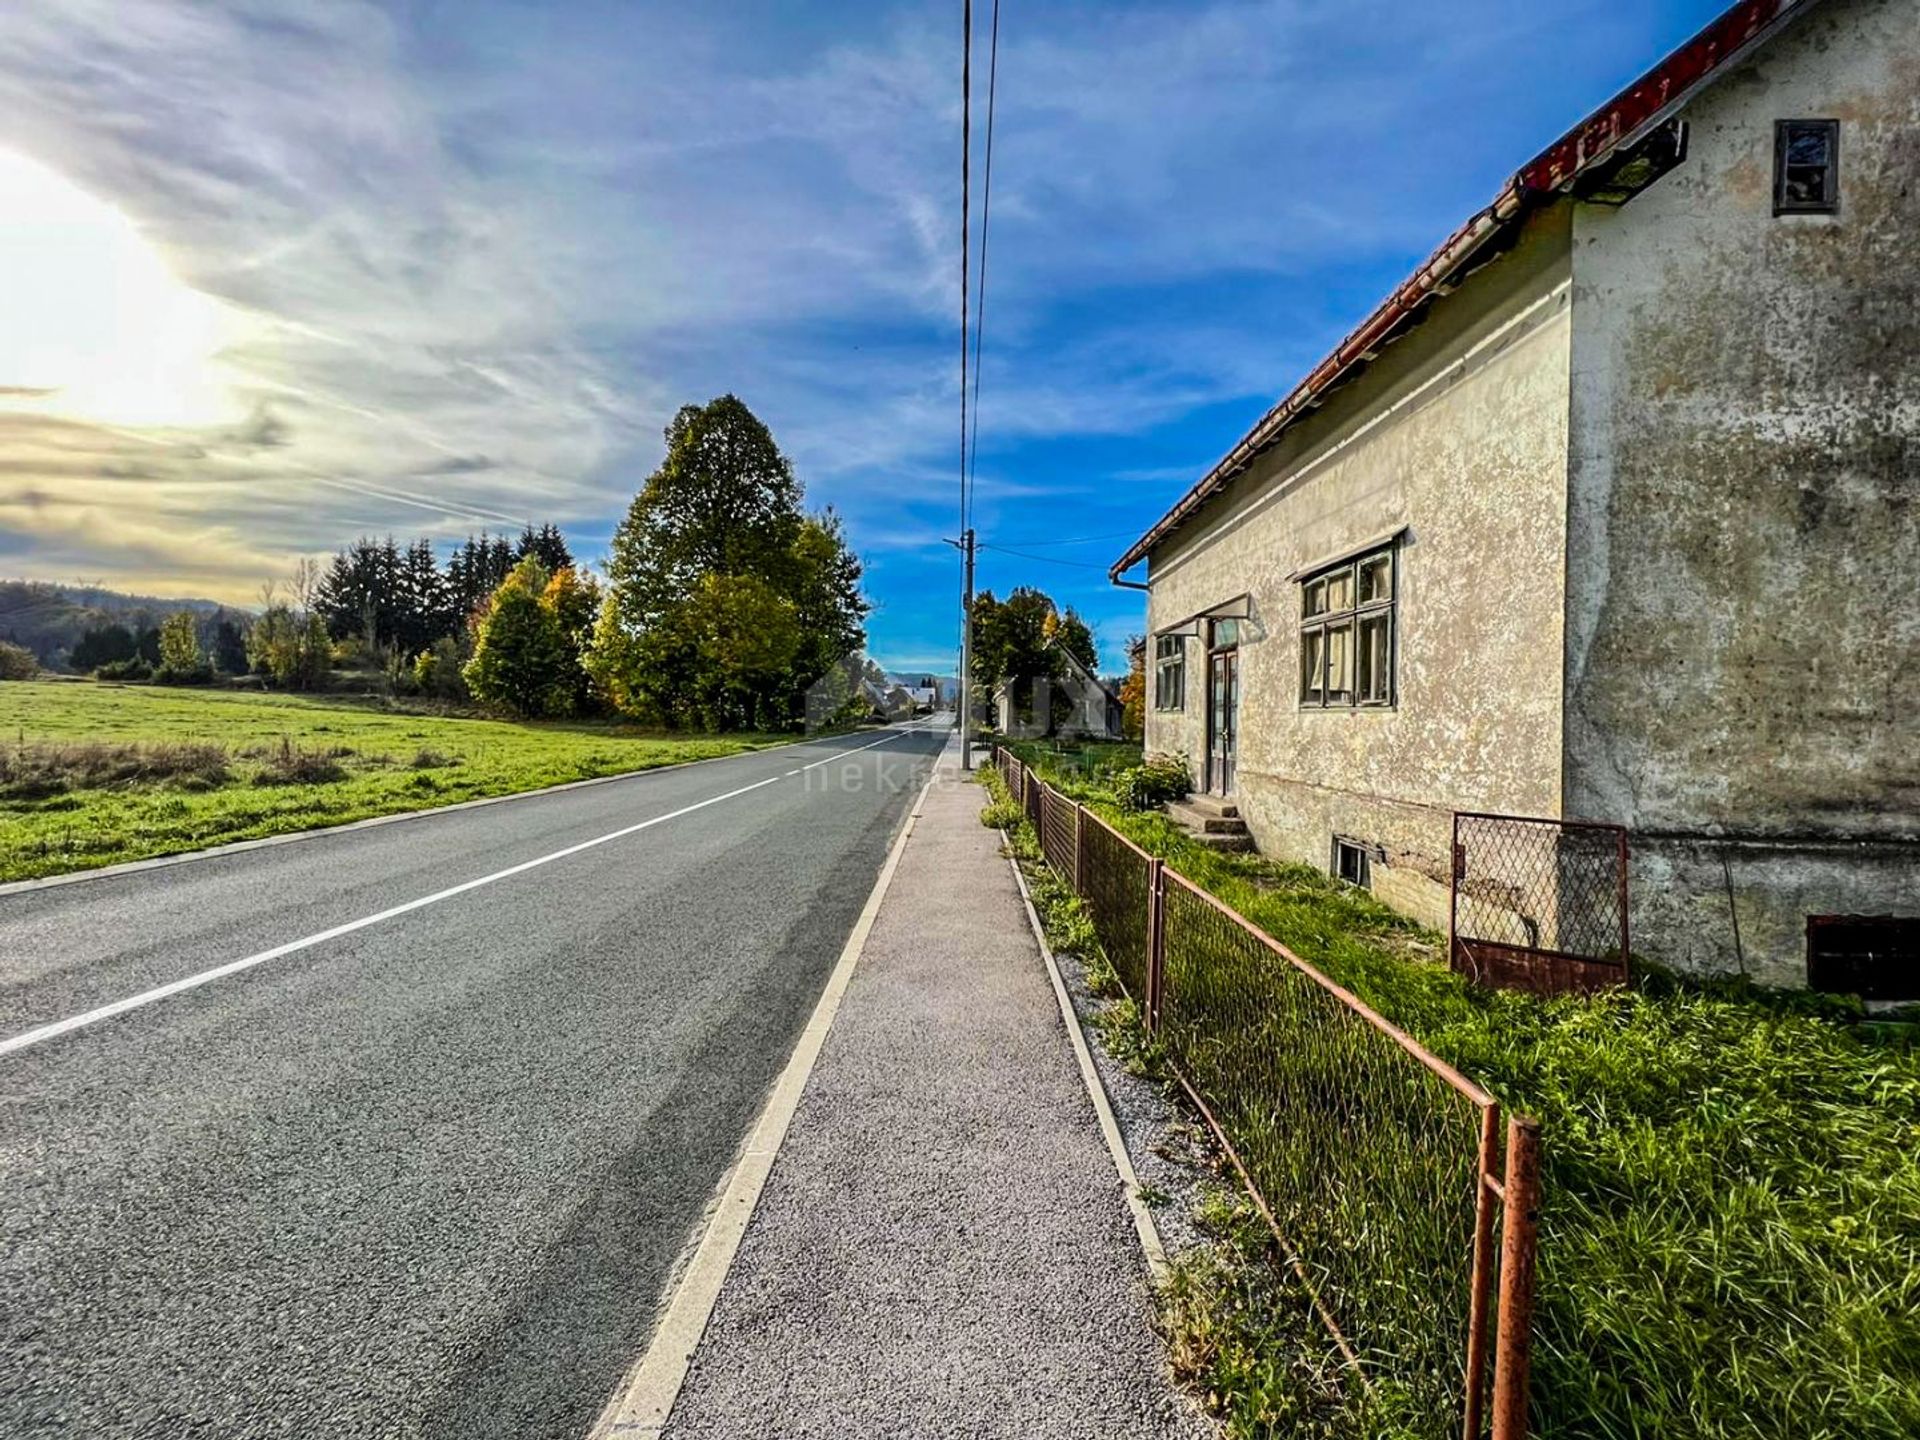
[726, 605]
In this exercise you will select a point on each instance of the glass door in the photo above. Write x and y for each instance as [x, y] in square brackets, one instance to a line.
[1223, 712]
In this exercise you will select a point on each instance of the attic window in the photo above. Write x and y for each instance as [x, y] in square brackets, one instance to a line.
[1806, 167]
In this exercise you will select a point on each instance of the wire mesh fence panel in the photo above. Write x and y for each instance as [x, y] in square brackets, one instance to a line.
[1118, 889]
[1057, 817]
[1367, 1157]
[1539, 905]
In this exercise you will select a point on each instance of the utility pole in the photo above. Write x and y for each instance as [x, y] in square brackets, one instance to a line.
[965, 546]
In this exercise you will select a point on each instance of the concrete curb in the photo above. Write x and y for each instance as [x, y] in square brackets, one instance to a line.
[641, 1407]
[236, 847]
[1143, 1225]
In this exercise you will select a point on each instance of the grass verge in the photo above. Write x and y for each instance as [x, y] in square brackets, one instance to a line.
[94, 774]
[1730, 1240]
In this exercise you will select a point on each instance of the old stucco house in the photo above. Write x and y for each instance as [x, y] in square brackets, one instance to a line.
[1610, 511]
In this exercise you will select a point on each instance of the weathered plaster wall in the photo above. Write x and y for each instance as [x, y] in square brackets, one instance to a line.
[1457, 432]
[1743, 604]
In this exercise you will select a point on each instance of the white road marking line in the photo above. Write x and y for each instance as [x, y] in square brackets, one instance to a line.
[233, 967]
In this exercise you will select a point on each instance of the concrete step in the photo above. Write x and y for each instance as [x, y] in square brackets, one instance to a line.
[1213, 840]
[1205, 821]
[1212, 805]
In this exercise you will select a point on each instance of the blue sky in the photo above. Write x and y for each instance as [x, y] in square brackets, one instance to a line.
[434, 266]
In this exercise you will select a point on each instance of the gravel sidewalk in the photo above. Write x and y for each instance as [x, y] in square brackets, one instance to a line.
[942, 1248]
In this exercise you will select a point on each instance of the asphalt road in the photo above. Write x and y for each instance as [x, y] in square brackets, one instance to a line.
[429, 1176]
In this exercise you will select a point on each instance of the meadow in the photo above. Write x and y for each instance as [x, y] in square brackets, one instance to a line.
[94, 774]
[1730, 1234]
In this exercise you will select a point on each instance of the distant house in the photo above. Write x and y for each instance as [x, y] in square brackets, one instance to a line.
[1095, 714]
[875, 695]
[1611, 510]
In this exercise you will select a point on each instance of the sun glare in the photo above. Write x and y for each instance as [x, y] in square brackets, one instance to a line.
[93, 324]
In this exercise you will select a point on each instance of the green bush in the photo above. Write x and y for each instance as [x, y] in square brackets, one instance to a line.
[17, 662]
[1153, 782]
[134, 669]
[200, 674]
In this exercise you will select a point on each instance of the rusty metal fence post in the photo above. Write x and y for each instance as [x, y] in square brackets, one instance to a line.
[1480, 1295]
[1156, 942]
[1513, 1344]
[1079, 849]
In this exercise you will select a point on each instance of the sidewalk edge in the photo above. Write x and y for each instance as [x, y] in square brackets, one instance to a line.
[640, 1408]
[1149, 1233]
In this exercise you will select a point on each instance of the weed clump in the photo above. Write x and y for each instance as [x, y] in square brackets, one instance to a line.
[37, 770]
[290, 764]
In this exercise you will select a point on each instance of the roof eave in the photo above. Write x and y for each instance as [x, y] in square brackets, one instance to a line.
[1623, 120]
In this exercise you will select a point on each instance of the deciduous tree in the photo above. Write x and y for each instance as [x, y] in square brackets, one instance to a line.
[519, 657]
[726, 601]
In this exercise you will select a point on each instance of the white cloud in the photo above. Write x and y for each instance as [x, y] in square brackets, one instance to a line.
[479, 261]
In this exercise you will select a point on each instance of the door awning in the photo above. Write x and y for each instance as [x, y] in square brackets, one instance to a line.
[1240, 607]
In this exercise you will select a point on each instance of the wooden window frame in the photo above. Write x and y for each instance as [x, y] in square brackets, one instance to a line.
[1169, 673]
[1351, 618]
[1829, 201]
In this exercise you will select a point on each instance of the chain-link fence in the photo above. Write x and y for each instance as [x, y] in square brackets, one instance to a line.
[1117, 882]
[1380, 1168]
[1539, 905]
[1059, 830]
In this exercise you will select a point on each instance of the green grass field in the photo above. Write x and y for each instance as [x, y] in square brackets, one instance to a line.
[93, 774]
[1730, 1236]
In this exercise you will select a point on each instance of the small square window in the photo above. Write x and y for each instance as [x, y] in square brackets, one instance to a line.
[1806, 167]
[1352, 862]
[1876, 957]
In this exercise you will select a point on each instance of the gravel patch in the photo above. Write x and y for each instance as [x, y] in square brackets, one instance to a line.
[1173, 1156]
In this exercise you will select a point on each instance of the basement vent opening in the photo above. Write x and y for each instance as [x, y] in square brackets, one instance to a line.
[1876, 957]
[1353, 862]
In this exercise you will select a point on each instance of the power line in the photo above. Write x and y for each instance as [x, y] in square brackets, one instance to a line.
[1044, 559]
[980, 298]
[1081, 539]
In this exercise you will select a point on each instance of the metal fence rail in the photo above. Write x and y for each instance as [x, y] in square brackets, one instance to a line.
[1380, 1168]
[1539, 905]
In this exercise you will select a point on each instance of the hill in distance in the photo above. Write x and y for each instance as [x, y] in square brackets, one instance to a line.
[49, 619]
